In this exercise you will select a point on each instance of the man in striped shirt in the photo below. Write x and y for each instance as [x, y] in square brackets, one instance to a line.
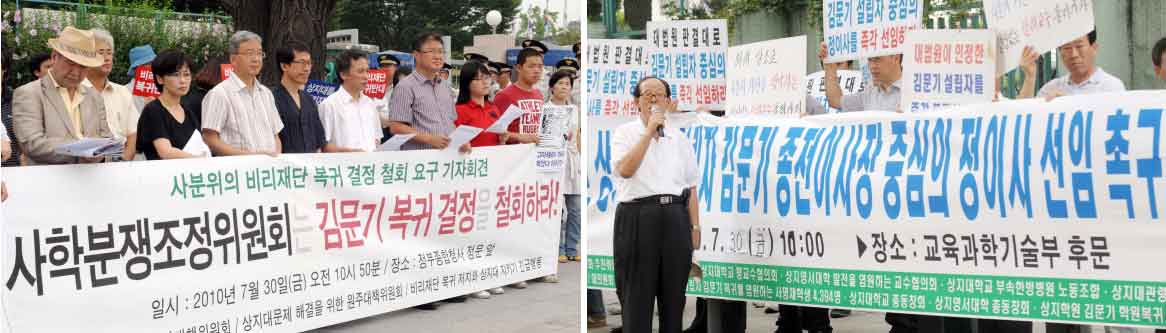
[239, 115]
[421, 104]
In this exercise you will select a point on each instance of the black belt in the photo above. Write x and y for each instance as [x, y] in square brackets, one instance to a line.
[660, 199]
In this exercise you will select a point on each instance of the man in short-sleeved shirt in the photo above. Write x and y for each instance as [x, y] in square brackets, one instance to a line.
[302, 131]
[1085, 77]
[421, 103]
[239, 115]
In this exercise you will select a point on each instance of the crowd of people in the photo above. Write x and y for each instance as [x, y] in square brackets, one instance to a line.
[654, 180]
[199, 114]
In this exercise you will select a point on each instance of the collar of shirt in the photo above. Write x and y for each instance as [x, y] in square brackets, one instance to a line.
[108, 85]
[347, 99]
[436, 80]
[236, 84]
[71, 100]
[1093, 79]
[895, 86]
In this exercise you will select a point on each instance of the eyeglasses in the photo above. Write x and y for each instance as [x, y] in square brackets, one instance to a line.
[260, 54]
[654, 96]
[304, 63]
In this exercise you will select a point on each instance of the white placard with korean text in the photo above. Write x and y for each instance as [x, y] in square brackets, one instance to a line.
[1042, 24]
[614, 66]
[948, 67]
[766, 78]
[690, 56]
[855, 29]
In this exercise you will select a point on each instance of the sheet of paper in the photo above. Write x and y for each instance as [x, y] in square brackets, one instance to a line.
[394, 143]
[504, 121]
[461, 135]
[195, 146]
[91, 147]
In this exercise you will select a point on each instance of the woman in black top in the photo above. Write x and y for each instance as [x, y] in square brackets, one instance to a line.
[165, 127]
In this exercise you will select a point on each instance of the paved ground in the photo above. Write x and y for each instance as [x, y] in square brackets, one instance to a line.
[542, 307]
[758, 321]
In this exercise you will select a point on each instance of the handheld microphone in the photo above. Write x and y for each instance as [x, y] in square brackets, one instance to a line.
[655, 110]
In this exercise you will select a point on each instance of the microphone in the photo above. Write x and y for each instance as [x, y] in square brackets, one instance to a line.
[654, 111]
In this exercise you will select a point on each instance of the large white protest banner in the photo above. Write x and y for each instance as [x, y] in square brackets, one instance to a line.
[1021, 210]
[287, 244]
[765, 78]
[690, 55]
[948, 67]
[856, 29]
[614, 66]
[1042, 24]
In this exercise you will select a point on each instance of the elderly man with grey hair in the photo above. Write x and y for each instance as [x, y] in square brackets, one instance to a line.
[120, 113]
[239, 115]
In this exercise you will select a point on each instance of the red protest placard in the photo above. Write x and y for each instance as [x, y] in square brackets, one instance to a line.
[226, 70]
[144, 82]
[378, 83]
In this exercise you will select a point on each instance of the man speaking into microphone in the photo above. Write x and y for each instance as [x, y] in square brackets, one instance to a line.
[656, 222]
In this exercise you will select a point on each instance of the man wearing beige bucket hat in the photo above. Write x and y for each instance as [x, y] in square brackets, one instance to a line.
[57, 109]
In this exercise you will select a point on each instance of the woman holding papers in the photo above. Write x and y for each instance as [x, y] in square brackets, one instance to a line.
[474, 109]
[561, 84]
[473, 106]
[166, 130]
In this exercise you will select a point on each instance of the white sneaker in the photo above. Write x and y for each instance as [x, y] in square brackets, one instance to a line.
[520, 285]
[481, 295]
[553, 278]
[497, 291]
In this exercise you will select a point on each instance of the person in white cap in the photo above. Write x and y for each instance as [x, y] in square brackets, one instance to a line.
[56, 109]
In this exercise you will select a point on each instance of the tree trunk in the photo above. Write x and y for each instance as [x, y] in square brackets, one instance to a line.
[281, 21]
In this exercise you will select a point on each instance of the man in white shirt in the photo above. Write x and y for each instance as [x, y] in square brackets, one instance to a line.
[1085, 77]
[239, 115]
[120, 112]
[351, 122]
[657, 224]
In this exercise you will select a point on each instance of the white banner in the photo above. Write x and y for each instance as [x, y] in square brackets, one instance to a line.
[765, 78]
[948, 67]
[287, 244]
[614, 66]
[1042, 24]
[856, 29]
[690, 55]
[850, 81]
[1021, 210]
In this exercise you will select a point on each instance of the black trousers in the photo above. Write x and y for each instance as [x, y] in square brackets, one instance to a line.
[794, 319]
[903, 322]
[732, 313]
[653, 254]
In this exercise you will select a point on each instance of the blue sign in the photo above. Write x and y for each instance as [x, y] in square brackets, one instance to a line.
[320, 90]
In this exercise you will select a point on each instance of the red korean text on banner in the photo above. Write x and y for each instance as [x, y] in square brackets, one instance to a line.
[226, 70]
[144, 82]
[378, 83]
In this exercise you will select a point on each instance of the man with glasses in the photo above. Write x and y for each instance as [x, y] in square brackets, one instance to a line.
[422, 104]
[302, 132]
[239, 114]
